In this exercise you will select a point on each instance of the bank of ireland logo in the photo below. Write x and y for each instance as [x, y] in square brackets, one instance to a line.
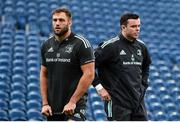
[69, 48]
[58, 55]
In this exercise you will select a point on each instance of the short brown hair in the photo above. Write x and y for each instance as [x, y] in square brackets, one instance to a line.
[126, 16]
[63, 9]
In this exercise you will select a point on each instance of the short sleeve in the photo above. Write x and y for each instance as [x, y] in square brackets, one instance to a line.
[43, 61]
[86, 54]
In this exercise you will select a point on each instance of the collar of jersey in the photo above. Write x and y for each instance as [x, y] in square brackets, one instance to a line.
[125, 40]
[69, 38]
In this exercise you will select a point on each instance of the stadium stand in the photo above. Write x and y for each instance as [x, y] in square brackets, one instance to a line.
[25, 24]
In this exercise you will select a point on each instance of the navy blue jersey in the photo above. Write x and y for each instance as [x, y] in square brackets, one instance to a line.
[63, 62]
[123, 69]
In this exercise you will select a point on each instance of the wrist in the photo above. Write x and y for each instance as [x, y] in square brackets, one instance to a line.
[72, 101]
[45, 105]
[98, 87]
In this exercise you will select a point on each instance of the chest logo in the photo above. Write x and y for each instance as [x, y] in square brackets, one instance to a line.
[139, 52]
[69, 48]
[122, 52]
[58, 55]
[132, 58]
[50, 50]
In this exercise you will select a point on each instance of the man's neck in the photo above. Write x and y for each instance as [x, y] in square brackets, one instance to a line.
[61, 38]
[125, 36]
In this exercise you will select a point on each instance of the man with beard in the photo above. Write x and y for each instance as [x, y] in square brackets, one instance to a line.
[67, 70]
[123, 68]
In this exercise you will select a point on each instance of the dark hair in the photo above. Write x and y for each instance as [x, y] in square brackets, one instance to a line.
[126, 16]
[62, 9]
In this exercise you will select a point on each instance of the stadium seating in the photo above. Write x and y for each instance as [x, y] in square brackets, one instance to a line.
[25, 24]
[17, 115]
[4, 115]
[34, 115]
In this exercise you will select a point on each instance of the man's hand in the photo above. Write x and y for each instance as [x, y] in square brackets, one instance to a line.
[104, 94]
[46, 110]
[69, 108]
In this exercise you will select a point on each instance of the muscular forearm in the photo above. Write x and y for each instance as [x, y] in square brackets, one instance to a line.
[82, 87]
[43, 86]
[84, 83]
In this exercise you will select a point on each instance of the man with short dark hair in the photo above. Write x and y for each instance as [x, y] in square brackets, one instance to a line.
[67, 70]
[122, 65]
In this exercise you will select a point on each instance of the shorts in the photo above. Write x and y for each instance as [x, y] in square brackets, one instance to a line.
[116, 112]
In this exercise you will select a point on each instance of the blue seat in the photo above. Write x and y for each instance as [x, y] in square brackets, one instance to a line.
[175, 91]
[20, 36]
[33, 79]
[17, 104]
[33, 63]
[174, 116]
[4, 105]
[170, 83]
[33, 87]
[19, 56]
[4, 86]
[34, 43]
[94, 97]
[33, 95]
[33, 71]
[4, 78]
[177, 101]
[33, 50]
[20, 17]
[158, 83]
[33, 104]
[99, 115]
[4, 95]
[96, 105]
[89, 115]
[17, 115]
[170, 107]
[5, 49]
[5, 70]
[33, 56]
[166, 99]
[18, 78]
[4, 115]
[9, 15]
[18, 95]
[19, 70]
[150, 116]
[44, 26]
[166, 76]
[92, 90]
[154, 75]
[19, 52]
[161, 91]
[6, 42]
[150, 91]
[34, 115]
[152, 98]
[155, 107]
[160, 116]
[19, 63]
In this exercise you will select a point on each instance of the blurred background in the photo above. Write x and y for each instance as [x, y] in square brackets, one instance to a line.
[25, 24]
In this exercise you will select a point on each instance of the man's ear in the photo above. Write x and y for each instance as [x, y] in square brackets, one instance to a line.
[123, 26]
[70, 22]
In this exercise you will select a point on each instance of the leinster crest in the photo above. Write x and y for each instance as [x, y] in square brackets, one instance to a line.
[69, 48]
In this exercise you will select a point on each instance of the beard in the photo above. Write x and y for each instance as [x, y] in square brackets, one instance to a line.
[62, 32]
